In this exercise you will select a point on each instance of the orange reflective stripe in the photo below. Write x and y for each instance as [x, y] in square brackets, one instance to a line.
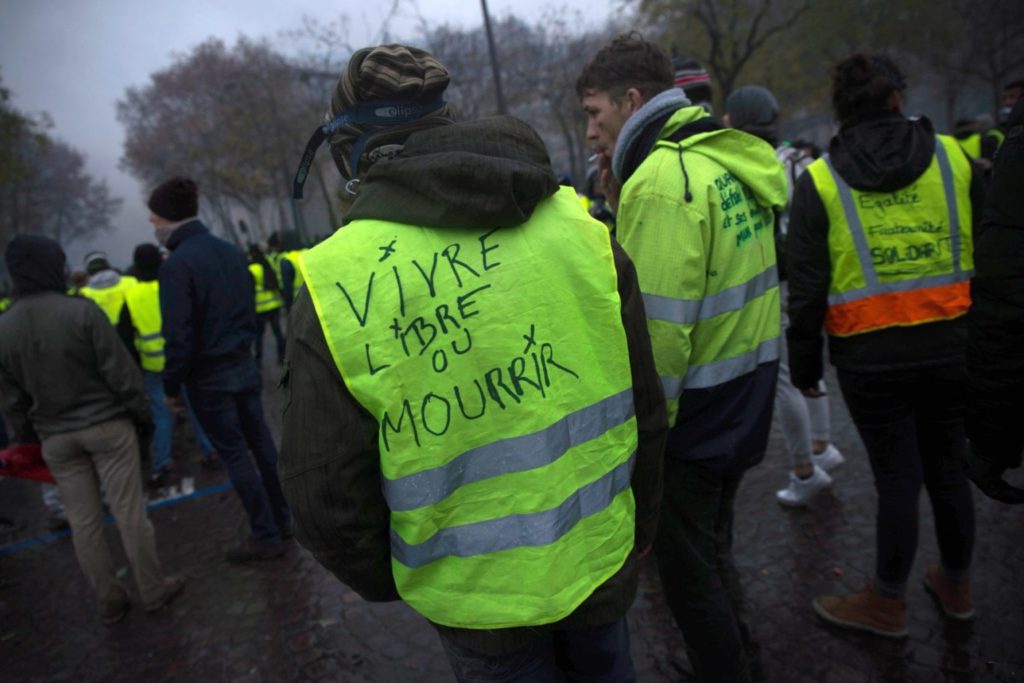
[915, 307]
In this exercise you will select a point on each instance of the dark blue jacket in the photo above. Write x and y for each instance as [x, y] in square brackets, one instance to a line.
[207, 305]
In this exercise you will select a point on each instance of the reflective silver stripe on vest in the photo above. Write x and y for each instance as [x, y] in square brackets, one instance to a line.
[951, 206]
[856, 228]
[153, 354]
[516, 531]
[151, 337]
[901, 286]
[672, 386]
[721, 371]
[867, 266]
[687, 311]
[515, 454]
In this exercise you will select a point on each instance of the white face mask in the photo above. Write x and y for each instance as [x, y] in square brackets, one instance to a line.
[163, 233]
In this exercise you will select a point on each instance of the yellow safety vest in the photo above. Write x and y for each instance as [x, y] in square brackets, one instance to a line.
[295, 258]
[143, 301]
[997, 134]
[971, 144]
[110, 299]
[899, 258]
[496, 366]
[266, 299]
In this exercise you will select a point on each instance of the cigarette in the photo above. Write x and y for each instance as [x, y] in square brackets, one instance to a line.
[593, 158]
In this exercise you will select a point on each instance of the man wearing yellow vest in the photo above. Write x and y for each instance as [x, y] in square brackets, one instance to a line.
[880, 255]
[286, 264]
[143, 322]
[473, 422]
[106, 286]
[267, 301]
[694, 207]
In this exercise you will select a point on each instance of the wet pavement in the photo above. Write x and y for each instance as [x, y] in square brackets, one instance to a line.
[290, 620]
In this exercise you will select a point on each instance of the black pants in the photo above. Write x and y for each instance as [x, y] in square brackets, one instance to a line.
[702, 587]
[912, 424]
[274, 319]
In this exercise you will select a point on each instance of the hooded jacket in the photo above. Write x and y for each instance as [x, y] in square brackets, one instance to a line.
[881, 153]
[674, 213]
[492, 173]
[995, 323]
[62, 366]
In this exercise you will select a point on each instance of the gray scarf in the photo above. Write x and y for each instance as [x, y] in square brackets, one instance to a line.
[661, 104]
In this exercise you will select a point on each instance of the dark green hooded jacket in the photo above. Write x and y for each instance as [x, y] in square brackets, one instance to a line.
[492, 173]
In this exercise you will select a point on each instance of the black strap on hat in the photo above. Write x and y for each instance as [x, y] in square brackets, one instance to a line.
[377, 114]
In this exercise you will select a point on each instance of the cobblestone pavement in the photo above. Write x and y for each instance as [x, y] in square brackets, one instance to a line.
[289, 620]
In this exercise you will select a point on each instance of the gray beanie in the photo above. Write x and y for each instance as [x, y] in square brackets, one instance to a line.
[754, 110]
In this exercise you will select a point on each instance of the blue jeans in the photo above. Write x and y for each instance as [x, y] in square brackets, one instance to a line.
[597, 654]
[227, 403]
[163, 422]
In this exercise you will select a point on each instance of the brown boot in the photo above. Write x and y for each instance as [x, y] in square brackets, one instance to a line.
[866, 611]
[954, 598]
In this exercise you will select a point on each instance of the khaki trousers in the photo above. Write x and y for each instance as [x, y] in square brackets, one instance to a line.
[81, 461]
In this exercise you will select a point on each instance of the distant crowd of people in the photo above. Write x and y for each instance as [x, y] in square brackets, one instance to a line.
[501, 394]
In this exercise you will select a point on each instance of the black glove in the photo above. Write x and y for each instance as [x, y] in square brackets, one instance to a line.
[988, 476]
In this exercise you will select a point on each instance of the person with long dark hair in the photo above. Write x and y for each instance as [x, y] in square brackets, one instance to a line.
[880, 255]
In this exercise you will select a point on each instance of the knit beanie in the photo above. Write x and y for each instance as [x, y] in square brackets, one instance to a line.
[691, 77]
[175, 199]
[146, 259]
[754, 110]
[390, 73]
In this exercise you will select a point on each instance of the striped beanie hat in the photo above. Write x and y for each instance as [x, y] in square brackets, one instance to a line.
[387, 73]
[691, 77]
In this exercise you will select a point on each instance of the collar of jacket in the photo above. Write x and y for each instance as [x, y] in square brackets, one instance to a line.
[636, 140]
[190, 229]
[104, 279]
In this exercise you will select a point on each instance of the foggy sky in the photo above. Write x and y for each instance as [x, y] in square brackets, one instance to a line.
[75, 59]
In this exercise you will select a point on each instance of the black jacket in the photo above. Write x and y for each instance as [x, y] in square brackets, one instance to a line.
[995, 324]
[207, 306]
[884, 153]
[483, 173]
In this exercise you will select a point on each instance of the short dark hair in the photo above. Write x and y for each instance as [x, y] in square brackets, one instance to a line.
[627, 62]
[862, 85]
[1019, 83]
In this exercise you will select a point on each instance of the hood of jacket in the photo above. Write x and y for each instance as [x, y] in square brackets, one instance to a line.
[490, 172]
[36, 264]
[748, 158]
[883, 153]
[104, 279]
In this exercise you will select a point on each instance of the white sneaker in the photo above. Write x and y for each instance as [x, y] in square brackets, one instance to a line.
[800, 490]
[828, 459]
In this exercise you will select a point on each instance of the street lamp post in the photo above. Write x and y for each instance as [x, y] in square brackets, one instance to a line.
[494, 60]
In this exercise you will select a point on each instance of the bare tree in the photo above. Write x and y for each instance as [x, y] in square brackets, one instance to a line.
[731, 32]
[991, 47]
[44, 187]
[233, 119]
